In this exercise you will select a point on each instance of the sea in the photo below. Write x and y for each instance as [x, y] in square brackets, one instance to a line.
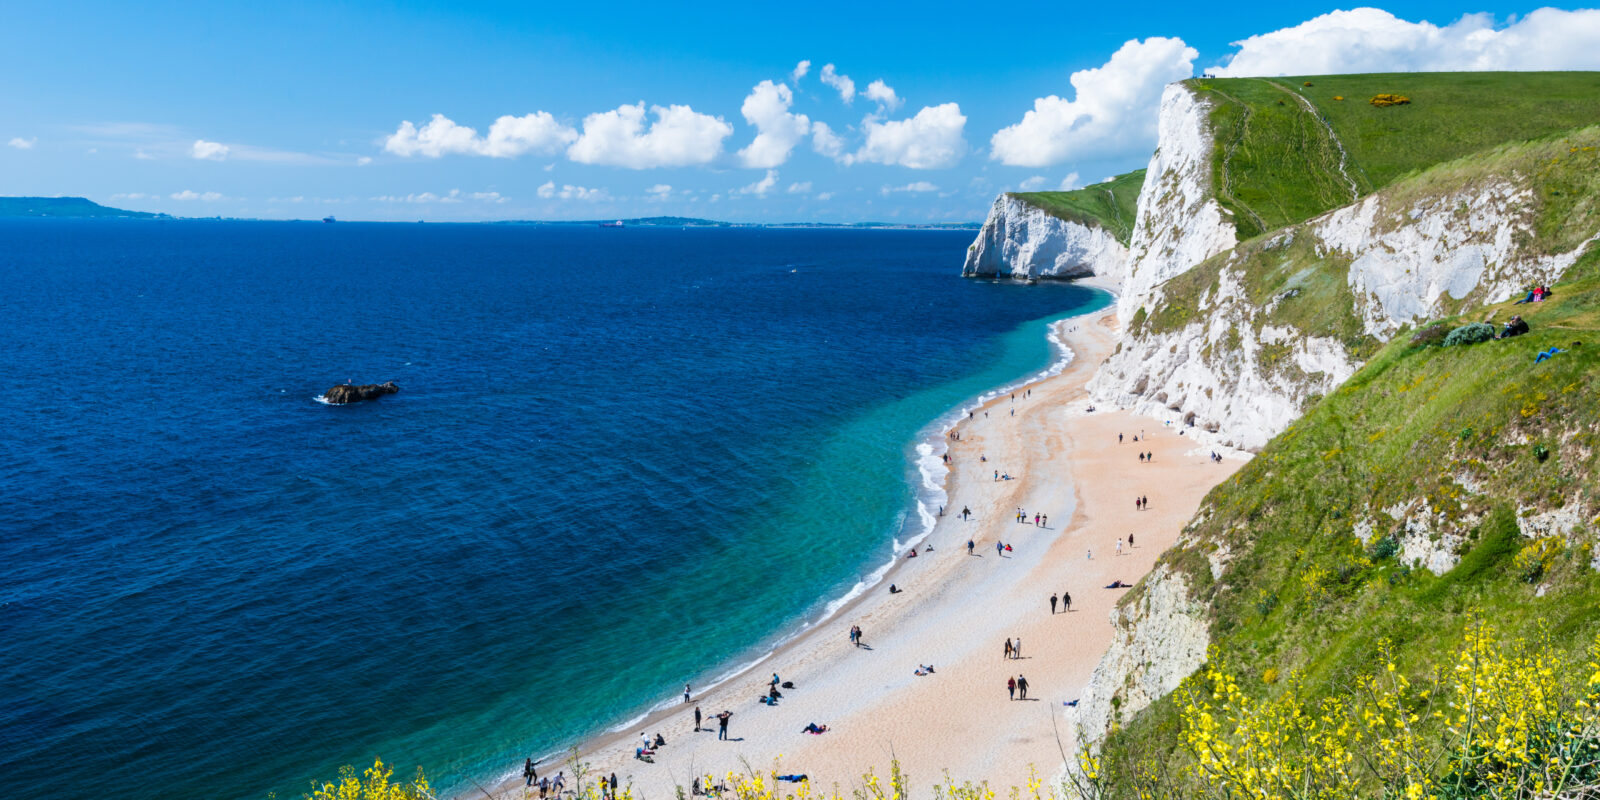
[620, 460]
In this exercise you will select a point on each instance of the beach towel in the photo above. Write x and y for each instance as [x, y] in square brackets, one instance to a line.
[792, 778]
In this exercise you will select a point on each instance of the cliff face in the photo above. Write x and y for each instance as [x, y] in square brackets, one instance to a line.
[1020, 240]
[1241, 343]
[1179, 222]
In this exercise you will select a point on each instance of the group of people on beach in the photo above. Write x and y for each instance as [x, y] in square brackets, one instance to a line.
[1066, 602]
[1017, 688]
[1039, 520]
[547, 786]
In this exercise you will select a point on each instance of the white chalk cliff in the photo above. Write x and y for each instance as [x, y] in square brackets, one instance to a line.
[1228, 350]
[1020, 240]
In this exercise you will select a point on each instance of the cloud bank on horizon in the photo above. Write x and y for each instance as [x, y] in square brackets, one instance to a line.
[1106, 114]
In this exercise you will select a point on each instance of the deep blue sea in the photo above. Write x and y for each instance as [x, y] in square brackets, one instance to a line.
[620, 460]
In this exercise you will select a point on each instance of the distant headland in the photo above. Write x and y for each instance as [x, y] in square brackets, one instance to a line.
[77, 207]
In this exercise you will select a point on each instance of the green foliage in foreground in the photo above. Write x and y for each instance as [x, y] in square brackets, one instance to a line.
[1278, 158]
[1111, 205]
[1463, 440]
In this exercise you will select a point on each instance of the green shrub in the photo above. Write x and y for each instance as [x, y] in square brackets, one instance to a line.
[1470, 334]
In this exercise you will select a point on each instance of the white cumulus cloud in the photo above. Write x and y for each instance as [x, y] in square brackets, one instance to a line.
[570, 192]
[1374, 40]
[509, 136]
[919, 187]
[209, 151]
[205, 197]
[1072, 181]
[840, 83]
[659, 191]
[1113, 112]
[929, 140]
[883, 94]
[800, 187]
[800, 71]
[21, 143]
[1032, 184]
[761, 187]
[826, 142]
[825, 196]
[679, 137]
[778, 131]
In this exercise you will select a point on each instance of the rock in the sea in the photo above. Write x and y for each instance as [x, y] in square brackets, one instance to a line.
[349, 393]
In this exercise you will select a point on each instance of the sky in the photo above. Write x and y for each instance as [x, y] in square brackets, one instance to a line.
[830, 112]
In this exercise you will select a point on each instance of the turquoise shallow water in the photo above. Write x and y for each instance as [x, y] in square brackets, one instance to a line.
[620, 460]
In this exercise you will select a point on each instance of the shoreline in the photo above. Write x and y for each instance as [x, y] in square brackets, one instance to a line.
[947, 589]
[933, 436]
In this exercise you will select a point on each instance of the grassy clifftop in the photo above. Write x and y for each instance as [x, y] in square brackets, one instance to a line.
[1473, 455]
[1110, 205]
[1287, 151]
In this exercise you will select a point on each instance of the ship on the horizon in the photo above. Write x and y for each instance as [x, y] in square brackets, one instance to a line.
[329, 219]
[617, 224]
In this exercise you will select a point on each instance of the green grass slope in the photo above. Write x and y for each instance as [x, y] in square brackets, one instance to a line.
[63, 207]
[1110, 205]
[1463, 440]
[1287, 152]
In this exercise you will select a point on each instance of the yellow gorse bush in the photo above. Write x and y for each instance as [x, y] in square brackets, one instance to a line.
[1500, 723]
[1382, 100]
[373, 784]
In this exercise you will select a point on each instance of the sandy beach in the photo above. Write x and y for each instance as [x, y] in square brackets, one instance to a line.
[956, 610]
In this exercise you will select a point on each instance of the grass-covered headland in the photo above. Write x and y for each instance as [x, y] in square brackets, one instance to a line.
[1110, 205]
[1289, 149]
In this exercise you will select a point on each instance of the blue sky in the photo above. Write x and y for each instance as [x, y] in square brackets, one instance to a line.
[296, 110]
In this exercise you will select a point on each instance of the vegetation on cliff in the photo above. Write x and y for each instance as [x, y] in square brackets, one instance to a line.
[63, 207]
[1308, 558]
[1291, 148]
[1110, 205]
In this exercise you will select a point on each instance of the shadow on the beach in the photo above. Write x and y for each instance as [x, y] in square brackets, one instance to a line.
[864, 647]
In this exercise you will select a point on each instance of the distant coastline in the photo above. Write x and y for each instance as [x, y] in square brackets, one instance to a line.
[83, 208]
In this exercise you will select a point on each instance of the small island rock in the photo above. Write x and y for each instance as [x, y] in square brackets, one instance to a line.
[349, 393]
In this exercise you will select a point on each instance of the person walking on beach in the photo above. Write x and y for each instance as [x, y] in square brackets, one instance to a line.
[696, 719]
[1130, 541]
[1089, 554]
[1066, 601]
[997, 476]
[1119, 547]
[1046, 522]
[1011, 688]
[559, 783]
[686, 694]
[999, 548]
[1119, 438]
[1008, 649]
[1016, 649]
[544, 786]
[722, 725]
[1144, 500]
[527, 771]
[1052, 605]
[1022, 688]
[613, 785]
[965, 513]
[1035, 519]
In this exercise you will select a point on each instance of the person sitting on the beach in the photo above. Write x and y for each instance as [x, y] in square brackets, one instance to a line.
[814, 728]
[773, 693]
[661, 741]
[912, 554]
[928, 549]
[893, 589]
[643, 755]
[924, 670]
